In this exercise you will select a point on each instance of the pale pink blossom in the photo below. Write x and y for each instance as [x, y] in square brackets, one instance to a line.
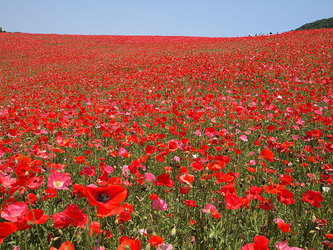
[197, 132]
[283, 246]
[164, 246]
[150, 177]
[59, 181]
[243, 138]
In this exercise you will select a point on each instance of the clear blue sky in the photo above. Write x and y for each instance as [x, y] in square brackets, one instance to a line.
[213, 18]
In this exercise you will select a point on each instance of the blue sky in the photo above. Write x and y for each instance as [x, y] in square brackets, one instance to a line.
[212, 18]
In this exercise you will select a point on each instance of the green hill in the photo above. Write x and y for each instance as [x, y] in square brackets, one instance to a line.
[319, 24]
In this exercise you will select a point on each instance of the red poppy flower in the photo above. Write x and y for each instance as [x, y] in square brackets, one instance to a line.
[173, 145]
[273, 188]
[80, 159]
[6, 228]
[153, 197]
[150, 149]
[286, 197]
[216, 166]
[36, 216]
[267, 154]
[254, 193]
[190, 203]
[186, 178]
[107, 199]
[184, 190]
[266, 205]
[72, 215]
[284, 227]
[261, 242]
[31, 198]
[132, 244]
[313, 197]
[67, 245]
[164, 180]
[50, 193]
[197, 166]
[232, 202]
[270, 128]
[155, 240]
[160, 158]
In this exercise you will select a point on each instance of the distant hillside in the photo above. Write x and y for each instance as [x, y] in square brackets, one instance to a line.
[319, 24]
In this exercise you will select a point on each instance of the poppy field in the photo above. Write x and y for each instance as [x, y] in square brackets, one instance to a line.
[148, 142]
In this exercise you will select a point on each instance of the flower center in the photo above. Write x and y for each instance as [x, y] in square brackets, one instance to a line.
[57, 183]
[103, 197]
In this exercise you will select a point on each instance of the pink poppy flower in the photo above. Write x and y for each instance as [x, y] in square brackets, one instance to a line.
[15, 211]
[59, 181]
[150, 177]
[164, 246]
[243, 138]
[208, 207]
[283, 246]
[160, 204]
[197, 132]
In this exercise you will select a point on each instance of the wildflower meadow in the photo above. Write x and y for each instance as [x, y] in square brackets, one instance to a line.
[151, 142]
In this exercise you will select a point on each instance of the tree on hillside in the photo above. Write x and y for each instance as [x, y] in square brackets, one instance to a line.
[319, 24]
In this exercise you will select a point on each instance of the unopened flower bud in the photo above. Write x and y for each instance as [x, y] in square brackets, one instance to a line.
[16, 194]
[56, 238]
[313, 219]
[147, 247]
[173, 231]
[150, 230]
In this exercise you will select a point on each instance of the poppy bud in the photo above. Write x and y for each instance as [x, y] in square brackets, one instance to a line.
[314, 218]
[150, 230]
[173, 231]
[16, 194]
[147, 247]
[56, 238]
[26, 174]
[60, 232]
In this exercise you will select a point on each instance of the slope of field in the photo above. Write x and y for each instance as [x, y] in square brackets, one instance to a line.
[166, 142]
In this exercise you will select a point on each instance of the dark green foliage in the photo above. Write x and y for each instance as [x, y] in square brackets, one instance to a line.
[319, 24]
